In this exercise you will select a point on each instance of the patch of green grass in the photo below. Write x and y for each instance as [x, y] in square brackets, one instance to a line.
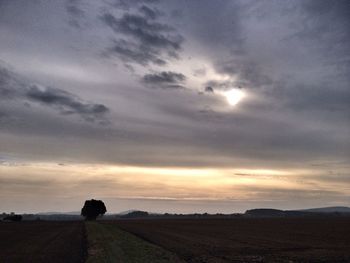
[108, 243]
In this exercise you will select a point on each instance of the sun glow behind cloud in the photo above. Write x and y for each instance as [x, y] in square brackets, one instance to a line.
[234, 96]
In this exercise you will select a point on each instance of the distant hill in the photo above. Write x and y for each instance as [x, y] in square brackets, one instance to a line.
[127, 212]
[331, 209]
[323, 211]
[135, 214]
[264, 212]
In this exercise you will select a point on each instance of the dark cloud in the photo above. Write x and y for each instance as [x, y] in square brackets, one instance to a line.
[75, 12]
[164, 79]
[72, 7]
[7, 81]
[151, 13]
[12, 87]
[127, 4]
[145, 31]
[135, 53]
[248, 73]
[209, 89]
[212, 85]
[65, 102]
[148, 41]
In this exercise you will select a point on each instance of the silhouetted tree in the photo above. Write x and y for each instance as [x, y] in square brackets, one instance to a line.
[92, 209]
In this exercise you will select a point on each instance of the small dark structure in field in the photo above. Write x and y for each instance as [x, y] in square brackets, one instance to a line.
[92, 209]
[14, 218]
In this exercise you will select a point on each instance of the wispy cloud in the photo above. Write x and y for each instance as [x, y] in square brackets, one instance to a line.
[14, 88]
[164, 80]
[144, 39]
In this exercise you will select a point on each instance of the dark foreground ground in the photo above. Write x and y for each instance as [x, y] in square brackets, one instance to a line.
[249, 240]
[179, 240]
[42, 242]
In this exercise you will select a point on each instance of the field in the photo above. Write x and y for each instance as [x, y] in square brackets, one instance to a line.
[249, 240]
[107, 243]
[178, 240]
[42, 242]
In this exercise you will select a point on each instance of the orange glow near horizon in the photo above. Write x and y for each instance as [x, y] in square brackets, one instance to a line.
[152, 182]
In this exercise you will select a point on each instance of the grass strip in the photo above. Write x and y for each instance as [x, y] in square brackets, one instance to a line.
[108, 243]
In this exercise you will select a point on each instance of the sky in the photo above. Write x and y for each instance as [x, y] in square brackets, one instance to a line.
[174, 106]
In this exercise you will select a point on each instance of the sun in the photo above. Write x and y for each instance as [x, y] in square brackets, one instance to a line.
[234, 96]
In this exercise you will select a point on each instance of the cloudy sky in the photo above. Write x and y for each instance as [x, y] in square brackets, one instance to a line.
[174, 106]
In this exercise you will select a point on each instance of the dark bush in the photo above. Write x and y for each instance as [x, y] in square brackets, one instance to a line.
[15, 218]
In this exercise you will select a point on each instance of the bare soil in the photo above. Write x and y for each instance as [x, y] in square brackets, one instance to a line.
[248, 239]
[42, 242]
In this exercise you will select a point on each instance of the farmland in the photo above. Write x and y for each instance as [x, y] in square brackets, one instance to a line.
[249, 240]
[107, 243]
[178, 240]
[42, 242]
